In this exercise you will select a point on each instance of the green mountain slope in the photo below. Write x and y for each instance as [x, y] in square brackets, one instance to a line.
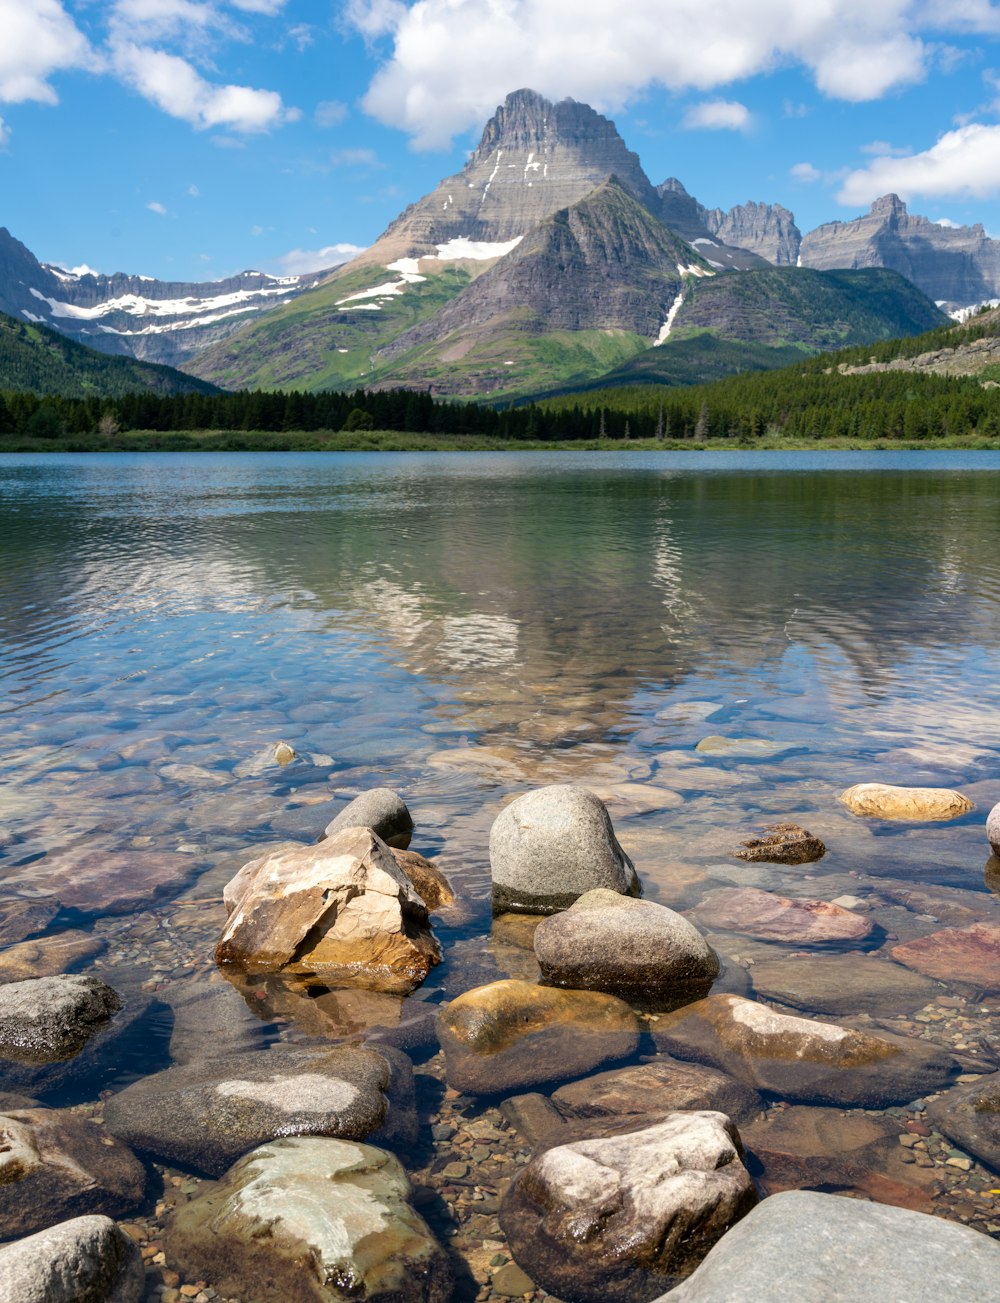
[34, 359]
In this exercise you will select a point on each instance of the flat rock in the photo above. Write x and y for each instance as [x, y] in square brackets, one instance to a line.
[550, 846]
[750, 748]
[632, 948]
[652, 1090]
[212, 1020]
[205, 1115]
[768, 917]
[993, 828]
[916, 804]
[956, 906]
[381, 810]
[342, 909]
[55, 1165]
[620, 1218]
[820, 1146]
[841, 986]
[970, 955]
[782, 843]
[22, 918]
[802, 1059]
[49, 956]
[804, 1247]
[310, 1218]
[970, 1115]
[109, 882]
[512, 1035]
[46, 1019]
[86, 1260]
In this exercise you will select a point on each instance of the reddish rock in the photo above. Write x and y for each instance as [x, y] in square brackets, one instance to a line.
[970, 955]
[109, 882]
[767, 917]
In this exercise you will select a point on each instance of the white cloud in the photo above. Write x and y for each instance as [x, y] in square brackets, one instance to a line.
[193, 191]
[4, 134]
[365, 158]
[805, 172]
[156, 207]
[452, 61]
[330, 113]
[946, 221]
[269, 7]
[299, 261]
[39, 39]
[964, 163]
[883, 148]
[717, 115]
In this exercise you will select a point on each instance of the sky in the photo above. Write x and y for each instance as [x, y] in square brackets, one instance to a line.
[191, 139]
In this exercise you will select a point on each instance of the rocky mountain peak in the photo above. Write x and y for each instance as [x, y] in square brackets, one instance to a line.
[766, 229]
[888, 206]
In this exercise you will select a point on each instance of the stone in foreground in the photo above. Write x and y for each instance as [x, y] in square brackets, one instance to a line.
[970, 955]
[55, 1165]
[511, 1035]
[86, 1260]
[205, 1115]
[381, 810]
[970, 1115]
[781, 843]
[550, 846]
[311, 1220]
[615, 1220]
[632, 948]
[651, 1090]
[343, 910]
[768, 917]
[802, 1059]
[803, 1247]
[46, 1019]
[916, 804]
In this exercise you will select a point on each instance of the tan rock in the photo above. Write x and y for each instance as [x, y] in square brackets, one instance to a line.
[342, 909]
[970, 955]
[49, 956]
[782, 843]
[769, 917]
[918, 804]
[431, 885]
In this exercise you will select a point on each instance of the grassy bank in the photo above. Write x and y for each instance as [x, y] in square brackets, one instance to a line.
[394, 441]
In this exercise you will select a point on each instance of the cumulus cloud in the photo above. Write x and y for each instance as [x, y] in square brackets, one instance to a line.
[963, 163]
[4, 134]
[805, 172]
[39, 39]
[299, 261]
[452, 61]
[717, 115]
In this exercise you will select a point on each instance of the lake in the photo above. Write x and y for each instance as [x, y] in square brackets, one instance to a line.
[463, 628]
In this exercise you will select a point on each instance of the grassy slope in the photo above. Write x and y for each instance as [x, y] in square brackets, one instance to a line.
[34, 359]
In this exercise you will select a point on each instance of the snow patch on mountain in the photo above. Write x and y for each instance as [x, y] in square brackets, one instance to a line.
[476, 250]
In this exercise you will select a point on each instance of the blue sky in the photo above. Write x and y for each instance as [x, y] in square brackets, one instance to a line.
[189, 139]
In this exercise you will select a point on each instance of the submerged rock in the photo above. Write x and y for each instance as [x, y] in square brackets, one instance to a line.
[633, 948]
[917, 804]
[48, 956]
[108, 882]
[820, 1146]
[761, 748]
[308, 1218]
[342, 909]
[970, 955]
[993, 828]
[510, 1035]
[381, 810]
[768, 917]
[652, 1090]
[782, 843]
[621, 1218]
[86, 1260]
[841, 986]
[207, 1114]
[804, 1247]
[55, 1165]
[46, 1019]
[550, 846]
[22, 918]
[970, 1115]
[803, 1059]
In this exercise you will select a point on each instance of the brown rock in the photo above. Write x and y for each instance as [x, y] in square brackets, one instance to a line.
[652, 1090]
[778, 918]
[799, 1147]
[917, 804]
[342, 909]
[20, 918]
[511, 1035]
[782, 843]
[49, 956]
[429, 882]
[109, 882]
[970, 955]
[841, 986]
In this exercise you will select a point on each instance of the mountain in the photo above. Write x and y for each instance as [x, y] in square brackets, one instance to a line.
[768, 230]
[761, 320]
[956, 266]
[970, 348]
[38, 360]
[690, 219]
[137, 316]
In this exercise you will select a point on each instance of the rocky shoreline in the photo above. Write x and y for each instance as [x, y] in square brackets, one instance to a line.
[619, 1131]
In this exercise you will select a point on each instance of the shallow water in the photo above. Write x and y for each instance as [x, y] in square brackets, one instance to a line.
[463, 628]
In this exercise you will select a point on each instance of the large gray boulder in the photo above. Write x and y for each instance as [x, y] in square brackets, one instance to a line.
[86, 1260]
[618, 1219]
[633, 948]
[308, 1218]
[55, 1165]
[550, 846]
[381, 810]
[49, 1018]
[803, 1247]
[204, 1115]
